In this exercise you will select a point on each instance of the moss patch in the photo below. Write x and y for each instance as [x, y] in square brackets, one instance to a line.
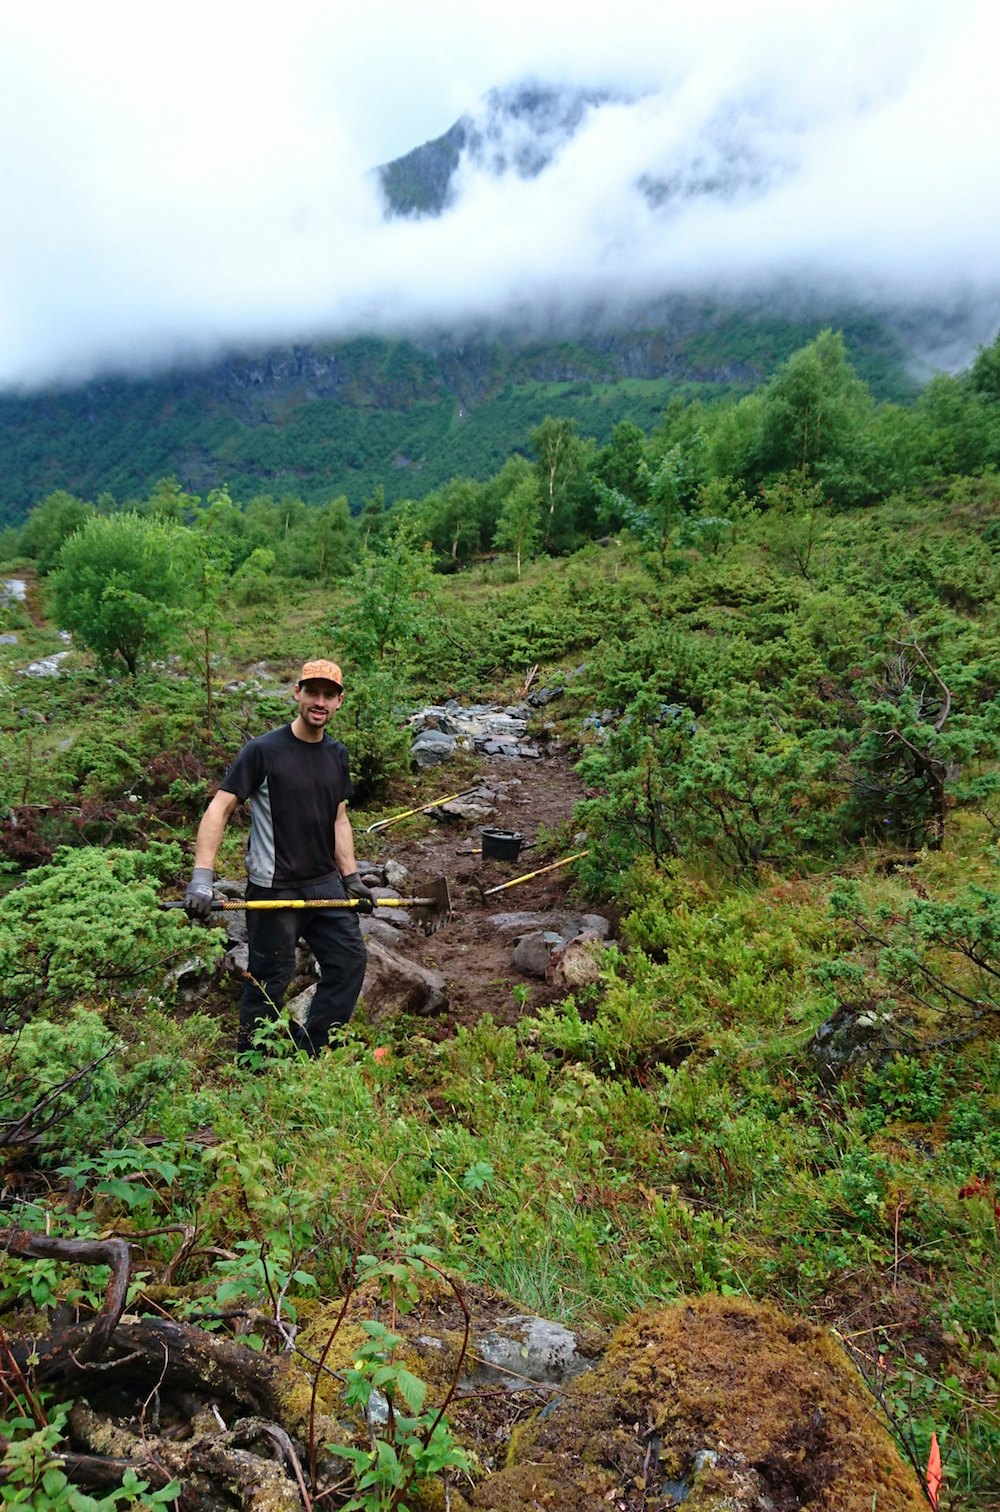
[716, 1403]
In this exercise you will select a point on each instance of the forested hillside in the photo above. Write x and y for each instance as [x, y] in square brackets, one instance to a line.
[761, 635]
[403, 416]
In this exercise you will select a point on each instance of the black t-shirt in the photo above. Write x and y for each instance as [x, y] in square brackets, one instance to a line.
[294, 788]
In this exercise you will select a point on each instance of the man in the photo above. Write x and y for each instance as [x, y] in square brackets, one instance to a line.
[301, 845]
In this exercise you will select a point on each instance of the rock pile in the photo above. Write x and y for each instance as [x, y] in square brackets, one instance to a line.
[489, 729]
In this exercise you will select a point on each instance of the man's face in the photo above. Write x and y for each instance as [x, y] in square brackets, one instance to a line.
[317, 700]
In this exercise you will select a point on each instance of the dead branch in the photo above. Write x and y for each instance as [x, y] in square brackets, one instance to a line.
[942, 718]
[111, 1252]
[27, 1128]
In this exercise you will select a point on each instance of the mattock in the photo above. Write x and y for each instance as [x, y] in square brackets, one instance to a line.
[430, 911]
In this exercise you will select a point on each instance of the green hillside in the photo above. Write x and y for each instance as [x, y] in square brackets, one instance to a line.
[348, 418]
[782, 1084]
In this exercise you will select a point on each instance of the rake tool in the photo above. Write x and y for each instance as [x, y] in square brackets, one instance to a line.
[381, 824]
[430, 912]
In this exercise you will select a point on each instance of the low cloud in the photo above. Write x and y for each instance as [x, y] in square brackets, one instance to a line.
[181, 182]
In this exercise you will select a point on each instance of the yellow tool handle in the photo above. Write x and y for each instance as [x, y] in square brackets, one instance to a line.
[240, 903]
[539, 873]
[408, 813]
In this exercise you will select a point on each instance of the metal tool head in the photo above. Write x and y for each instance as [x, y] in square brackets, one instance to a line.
[434, 908]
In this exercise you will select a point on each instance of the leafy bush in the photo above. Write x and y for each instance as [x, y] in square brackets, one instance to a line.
[121, 580]
[739, 786]
[89, 925]
[33, 1475]
[68, 1087]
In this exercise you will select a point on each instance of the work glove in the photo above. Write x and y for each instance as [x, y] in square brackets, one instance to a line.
[355, 888]
[198, 898]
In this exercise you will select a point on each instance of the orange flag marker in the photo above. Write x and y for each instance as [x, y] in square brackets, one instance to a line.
[934, 1472]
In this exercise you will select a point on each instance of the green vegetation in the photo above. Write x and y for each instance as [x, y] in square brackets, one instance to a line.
[774, 620]
[344, 419]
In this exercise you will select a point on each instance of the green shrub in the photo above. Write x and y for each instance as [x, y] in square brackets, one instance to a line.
[89, 925]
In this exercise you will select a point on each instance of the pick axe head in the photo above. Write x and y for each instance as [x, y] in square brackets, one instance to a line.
[434, 908]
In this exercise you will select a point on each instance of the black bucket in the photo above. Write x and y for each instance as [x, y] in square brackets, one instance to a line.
[502, 845]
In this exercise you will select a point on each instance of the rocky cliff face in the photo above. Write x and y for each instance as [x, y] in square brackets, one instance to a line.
[395, 375]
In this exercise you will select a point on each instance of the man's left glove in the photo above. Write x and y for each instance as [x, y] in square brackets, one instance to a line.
[198, 898]
[355, 888]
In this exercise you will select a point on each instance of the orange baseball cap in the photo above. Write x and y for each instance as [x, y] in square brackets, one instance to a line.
[322, 671]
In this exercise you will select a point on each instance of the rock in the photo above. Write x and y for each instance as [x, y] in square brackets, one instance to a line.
[532, 952]
[508, 748]
[47, 666]
[567, 925]
[8, 640]
[400, 917]
[523, 1351]
[492, 730]
[366, 867]
[235, 925]
[375, 928]
[237, 960]
[298, 1006]
[752, 1410]
[188, 979]
[854, 1036]
[472, 809]
[574, 963]
[394, 984]
[397, 876]
[542, 696]
[431, 748]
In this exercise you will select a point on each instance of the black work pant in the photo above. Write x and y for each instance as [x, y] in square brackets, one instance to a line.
[334, 937]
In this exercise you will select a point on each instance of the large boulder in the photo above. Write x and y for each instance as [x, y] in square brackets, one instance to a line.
[431, 748]
[394, 984]
[721, 1403]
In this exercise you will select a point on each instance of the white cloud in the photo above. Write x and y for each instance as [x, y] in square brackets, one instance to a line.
[178, 179]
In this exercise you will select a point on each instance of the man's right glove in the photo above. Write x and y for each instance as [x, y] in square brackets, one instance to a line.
[355, 888]
[198, 898]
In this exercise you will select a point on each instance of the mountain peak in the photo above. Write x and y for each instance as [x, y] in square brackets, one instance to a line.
[516, 129]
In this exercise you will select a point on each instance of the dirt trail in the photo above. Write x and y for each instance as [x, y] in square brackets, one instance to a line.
[474, 959]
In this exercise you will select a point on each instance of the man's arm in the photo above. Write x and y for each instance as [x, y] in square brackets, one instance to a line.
[213, 822]
[198, 898]
[343, 843]
[343, 854]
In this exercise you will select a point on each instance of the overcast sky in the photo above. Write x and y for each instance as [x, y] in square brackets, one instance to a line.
[177, 179]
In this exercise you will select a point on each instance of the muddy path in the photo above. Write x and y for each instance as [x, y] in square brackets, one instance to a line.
[473, 957]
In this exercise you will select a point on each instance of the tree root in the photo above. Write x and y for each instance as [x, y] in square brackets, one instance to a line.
[124, 1369]
[215, 1468]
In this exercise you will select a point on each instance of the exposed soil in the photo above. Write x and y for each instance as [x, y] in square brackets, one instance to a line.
[473, 957]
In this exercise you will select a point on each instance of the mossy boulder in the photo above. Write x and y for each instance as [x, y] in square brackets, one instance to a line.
[717, 1404]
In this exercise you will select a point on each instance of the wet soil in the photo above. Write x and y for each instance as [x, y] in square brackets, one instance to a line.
[473, 957]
